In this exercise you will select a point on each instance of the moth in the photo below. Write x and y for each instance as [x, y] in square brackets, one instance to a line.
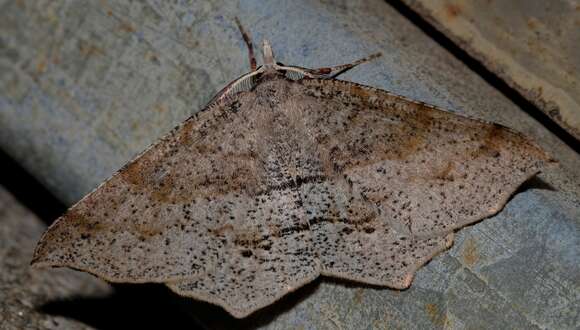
[288, 174]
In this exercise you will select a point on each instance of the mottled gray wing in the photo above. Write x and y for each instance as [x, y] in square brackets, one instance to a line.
[401, 176]
[269, 259]
[193, 206]
[356, 241]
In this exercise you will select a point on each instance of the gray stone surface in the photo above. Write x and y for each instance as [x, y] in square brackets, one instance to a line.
[86, 85]
[24, 290]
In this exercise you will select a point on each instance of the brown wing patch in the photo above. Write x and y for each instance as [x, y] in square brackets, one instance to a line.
[427, 170]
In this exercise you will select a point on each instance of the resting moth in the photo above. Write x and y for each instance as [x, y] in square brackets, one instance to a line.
[288, 174]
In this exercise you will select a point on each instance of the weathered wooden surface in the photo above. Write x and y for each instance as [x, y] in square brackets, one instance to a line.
[86, 85]
[24, 290]
[533, 45]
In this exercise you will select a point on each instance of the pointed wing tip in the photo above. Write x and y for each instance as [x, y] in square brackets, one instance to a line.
[41, 257]
[40, 260]
[37, 256]
[545, 157]
[238, 314]
[407, 281]
[229, 308]
[448, 243]
[35, 263]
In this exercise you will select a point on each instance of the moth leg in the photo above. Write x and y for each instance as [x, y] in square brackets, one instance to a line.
[248, 42]
[333, 72]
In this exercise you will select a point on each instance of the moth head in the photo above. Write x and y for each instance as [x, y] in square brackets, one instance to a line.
[273, 67]
[268, 54]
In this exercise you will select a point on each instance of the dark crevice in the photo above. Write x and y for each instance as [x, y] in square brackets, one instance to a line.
[130, 306]
[29, 191]
[491, 78]
[214, 317]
